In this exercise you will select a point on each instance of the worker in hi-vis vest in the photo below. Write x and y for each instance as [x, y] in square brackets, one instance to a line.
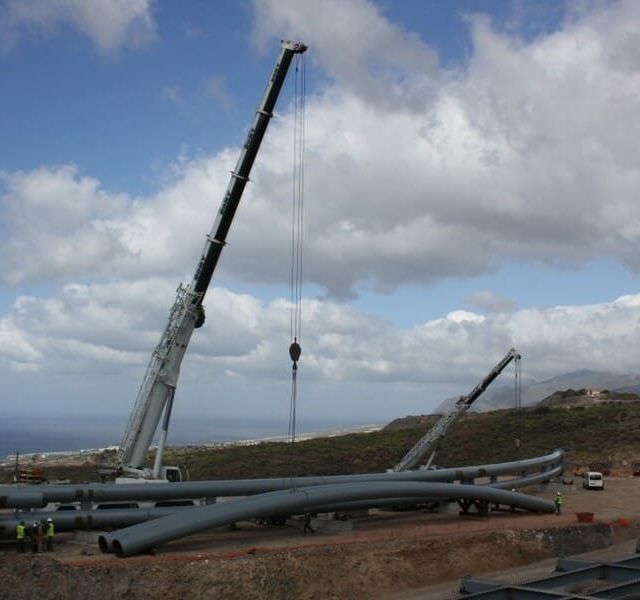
[50, 532]
[21, 532]
[558, 502]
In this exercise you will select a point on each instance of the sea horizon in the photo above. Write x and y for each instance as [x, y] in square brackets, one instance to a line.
[39, 437]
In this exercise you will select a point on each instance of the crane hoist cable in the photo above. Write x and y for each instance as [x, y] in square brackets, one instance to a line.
[517, 392]
[297, 233]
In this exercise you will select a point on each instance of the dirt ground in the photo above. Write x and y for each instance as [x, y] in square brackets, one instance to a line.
[387, 555]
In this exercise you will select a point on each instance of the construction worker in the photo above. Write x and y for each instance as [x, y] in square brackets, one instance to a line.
[307, 523]
[50, 532]
[41, 536]
[21, 531]
[558, 502]
[33, 534]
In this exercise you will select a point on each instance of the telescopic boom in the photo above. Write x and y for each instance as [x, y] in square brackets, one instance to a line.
[159, 383]
[427, 445]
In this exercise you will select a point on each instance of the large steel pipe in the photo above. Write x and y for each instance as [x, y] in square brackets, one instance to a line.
[116, 518]
[137, 538]
[509, 484]
[522, 482]
[22, 500]
[69, 520]
[244, 487]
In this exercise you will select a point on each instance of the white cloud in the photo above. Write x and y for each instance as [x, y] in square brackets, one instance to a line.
[90, 328]
[110, 24]
[490, 302]
[356, 45]
[529, 153]
[58, 223]
[413, 175]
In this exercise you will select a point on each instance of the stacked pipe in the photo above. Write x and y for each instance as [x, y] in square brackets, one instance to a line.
[31, 496]
[270, 497]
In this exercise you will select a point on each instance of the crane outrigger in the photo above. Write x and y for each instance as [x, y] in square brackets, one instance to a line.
[187, 313]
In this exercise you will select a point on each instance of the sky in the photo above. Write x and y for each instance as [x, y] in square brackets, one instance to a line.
[471, 184]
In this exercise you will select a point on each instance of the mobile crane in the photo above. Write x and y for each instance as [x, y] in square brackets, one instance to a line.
[158, 386]
[428, 444]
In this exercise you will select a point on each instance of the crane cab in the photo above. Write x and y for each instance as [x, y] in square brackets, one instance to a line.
[167, 475]
[171, 474]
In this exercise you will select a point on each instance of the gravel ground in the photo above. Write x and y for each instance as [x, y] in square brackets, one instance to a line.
[388, 555]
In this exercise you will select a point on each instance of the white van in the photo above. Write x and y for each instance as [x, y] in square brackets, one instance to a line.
[592, 480]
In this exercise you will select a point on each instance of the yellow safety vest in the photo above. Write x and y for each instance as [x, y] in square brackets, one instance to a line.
[50, 530]
[20, 531]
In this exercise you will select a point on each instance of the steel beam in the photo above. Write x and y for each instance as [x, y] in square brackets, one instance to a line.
[624, 576]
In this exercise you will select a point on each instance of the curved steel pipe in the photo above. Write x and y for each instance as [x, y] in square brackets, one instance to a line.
[509, 484]
[137, 538]
[116, 518]
[244, 487]
[123, 517]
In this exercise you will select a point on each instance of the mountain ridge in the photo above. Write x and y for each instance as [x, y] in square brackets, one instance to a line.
[503, 396]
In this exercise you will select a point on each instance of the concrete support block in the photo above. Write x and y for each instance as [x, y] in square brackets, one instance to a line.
[327, 525]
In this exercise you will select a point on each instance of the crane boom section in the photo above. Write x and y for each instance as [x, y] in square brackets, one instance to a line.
[427, 444]
[187, 313]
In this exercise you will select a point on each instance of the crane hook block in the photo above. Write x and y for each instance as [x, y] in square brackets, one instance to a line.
[295, 351]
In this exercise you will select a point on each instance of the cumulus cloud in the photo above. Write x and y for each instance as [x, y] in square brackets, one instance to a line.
[355, 45]
[57, 223]
[110, 24]
[529, 152]
[488, 301]
[114, 326]
[413, 174]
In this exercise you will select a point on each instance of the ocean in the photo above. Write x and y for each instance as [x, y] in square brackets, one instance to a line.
[54, 434]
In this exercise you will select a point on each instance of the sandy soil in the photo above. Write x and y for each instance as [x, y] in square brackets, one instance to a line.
[388, 555]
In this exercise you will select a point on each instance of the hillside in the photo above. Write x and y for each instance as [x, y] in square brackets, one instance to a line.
[599, 435]
[584, 397]
[604, 433]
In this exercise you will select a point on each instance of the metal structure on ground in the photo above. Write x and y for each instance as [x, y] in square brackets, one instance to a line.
[32, 496]
[428, 444]
[89, 496]
[159, 383]
[125, 516]
[138, 538]
[573, 579]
